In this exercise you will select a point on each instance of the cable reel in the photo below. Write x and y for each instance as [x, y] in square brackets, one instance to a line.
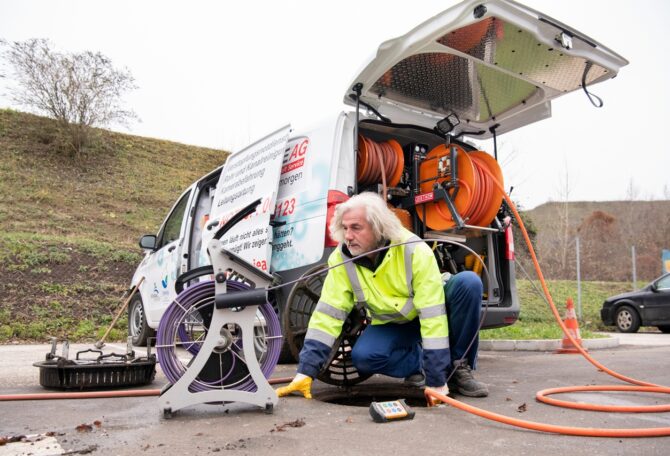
[472, 192]
[220, 340]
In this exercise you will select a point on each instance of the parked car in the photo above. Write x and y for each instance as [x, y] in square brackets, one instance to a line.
[649, 306]
[477, 70]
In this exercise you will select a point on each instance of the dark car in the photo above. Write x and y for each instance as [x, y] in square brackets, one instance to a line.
[649, 306]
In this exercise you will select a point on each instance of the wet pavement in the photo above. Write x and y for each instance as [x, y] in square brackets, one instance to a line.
[135, 425]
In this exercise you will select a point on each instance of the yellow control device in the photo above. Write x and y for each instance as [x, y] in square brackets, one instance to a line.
[383, 412]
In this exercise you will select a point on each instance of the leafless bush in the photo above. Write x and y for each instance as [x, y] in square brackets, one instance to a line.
[80, 90]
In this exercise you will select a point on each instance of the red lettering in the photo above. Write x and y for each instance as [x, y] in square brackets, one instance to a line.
[299, 150]
[292, 166]
[424, 198]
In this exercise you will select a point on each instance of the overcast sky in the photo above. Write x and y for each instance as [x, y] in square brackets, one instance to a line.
[221, 74]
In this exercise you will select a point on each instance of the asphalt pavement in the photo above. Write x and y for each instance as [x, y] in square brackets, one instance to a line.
[135, 425]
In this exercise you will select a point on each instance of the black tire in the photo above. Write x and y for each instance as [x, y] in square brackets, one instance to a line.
[137, 322]
[627, 319]
[286, 355]
[664, 328]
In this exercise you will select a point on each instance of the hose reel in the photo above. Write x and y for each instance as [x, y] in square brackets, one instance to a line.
[473, 193]
[226, 329]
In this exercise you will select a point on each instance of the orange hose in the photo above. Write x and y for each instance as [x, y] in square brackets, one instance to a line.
[80, 395]
[541, 395]
[378, 163]
[103, 394]
[543, 427]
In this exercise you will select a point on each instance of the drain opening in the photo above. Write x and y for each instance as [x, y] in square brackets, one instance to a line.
[363, 396]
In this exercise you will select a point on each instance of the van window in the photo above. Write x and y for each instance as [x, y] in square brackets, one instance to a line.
[172, 226]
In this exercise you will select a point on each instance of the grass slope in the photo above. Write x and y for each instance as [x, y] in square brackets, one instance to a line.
[69, 227]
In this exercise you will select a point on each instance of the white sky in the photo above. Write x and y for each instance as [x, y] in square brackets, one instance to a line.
[222, 74]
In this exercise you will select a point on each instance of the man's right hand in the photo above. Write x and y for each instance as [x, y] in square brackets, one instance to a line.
[433, 401]
[301, 383]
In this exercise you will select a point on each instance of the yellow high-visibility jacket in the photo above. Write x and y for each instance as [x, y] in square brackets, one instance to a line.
[405, 285]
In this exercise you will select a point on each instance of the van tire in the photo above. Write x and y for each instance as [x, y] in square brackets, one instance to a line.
[286, 356]
[138, 328]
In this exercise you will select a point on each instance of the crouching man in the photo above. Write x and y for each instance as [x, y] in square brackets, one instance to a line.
[411, 329]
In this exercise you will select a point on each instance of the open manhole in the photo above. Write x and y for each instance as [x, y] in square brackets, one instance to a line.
[363, 395]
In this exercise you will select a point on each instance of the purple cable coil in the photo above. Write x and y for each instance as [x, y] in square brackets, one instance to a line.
[170, 326]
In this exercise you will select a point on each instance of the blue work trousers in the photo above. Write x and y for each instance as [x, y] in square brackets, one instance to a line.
[395, 349]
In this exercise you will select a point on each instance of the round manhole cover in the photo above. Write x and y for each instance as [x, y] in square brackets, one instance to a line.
[364, 395]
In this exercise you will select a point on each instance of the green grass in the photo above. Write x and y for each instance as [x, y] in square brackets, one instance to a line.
[69, 227]
[536, 321]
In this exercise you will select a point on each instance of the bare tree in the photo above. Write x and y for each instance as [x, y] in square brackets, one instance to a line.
[80, 90]
[557, 245]
[602, 253]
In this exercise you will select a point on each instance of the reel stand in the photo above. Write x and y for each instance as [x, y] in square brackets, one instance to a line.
[233, 309]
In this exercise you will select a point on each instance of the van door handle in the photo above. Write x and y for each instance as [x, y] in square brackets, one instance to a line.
[172, 248]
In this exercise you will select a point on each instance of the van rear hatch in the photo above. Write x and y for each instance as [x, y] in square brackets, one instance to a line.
[493, 64]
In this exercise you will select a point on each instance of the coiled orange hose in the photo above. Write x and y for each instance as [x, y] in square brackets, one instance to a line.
[541, 395]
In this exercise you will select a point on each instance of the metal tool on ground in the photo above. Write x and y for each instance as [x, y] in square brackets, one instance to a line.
[95, 372]
[228, 327]
[101, 343]
[383, 412]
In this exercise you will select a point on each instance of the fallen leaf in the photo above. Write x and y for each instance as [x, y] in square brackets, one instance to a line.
[522, 408]
[97, 423]
[349, 419]
[295, 424]
[84, 428]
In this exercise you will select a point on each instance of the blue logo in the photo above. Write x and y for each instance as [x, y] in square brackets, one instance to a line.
[164, 282]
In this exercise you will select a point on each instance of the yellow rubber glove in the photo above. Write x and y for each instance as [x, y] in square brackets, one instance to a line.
[431, 400]
[301, 383]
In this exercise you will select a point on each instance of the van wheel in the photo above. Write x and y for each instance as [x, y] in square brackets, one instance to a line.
[627, 320]
[138, 328]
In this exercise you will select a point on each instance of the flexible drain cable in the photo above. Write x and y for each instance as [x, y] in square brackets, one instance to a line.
[641, 386]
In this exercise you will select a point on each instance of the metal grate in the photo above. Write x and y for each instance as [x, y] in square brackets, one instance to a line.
[96, 373]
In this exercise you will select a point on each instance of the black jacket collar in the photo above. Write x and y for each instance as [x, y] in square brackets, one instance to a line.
[365, 261]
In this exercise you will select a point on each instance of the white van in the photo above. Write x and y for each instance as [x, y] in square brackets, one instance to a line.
[477, 70]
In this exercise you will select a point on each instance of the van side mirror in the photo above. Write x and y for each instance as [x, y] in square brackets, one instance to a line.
[148, 241]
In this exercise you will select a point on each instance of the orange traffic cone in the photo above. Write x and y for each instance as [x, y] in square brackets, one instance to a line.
[573, 328]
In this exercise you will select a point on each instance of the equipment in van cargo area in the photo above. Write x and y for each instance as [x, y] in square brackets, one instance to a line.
[476, 70]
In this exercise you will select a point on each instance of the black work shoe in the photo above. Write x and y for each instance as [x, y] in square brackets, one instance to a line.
[417, 380]
[462, 381]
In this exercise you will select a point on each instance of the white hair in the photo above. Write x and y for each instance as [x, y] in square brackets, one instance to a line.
[384, 223]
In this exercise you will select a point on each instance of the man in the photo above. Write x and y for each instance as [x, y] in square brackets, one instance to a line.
[409, 334]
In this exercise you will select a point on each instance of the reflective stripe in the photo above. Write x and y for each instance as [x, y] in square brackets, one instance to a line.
[350, 267]
[432, 311]
[435, 343]
[331, 311]
[320, 336]
[385, 317]
[409, 251]
[407, 308]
